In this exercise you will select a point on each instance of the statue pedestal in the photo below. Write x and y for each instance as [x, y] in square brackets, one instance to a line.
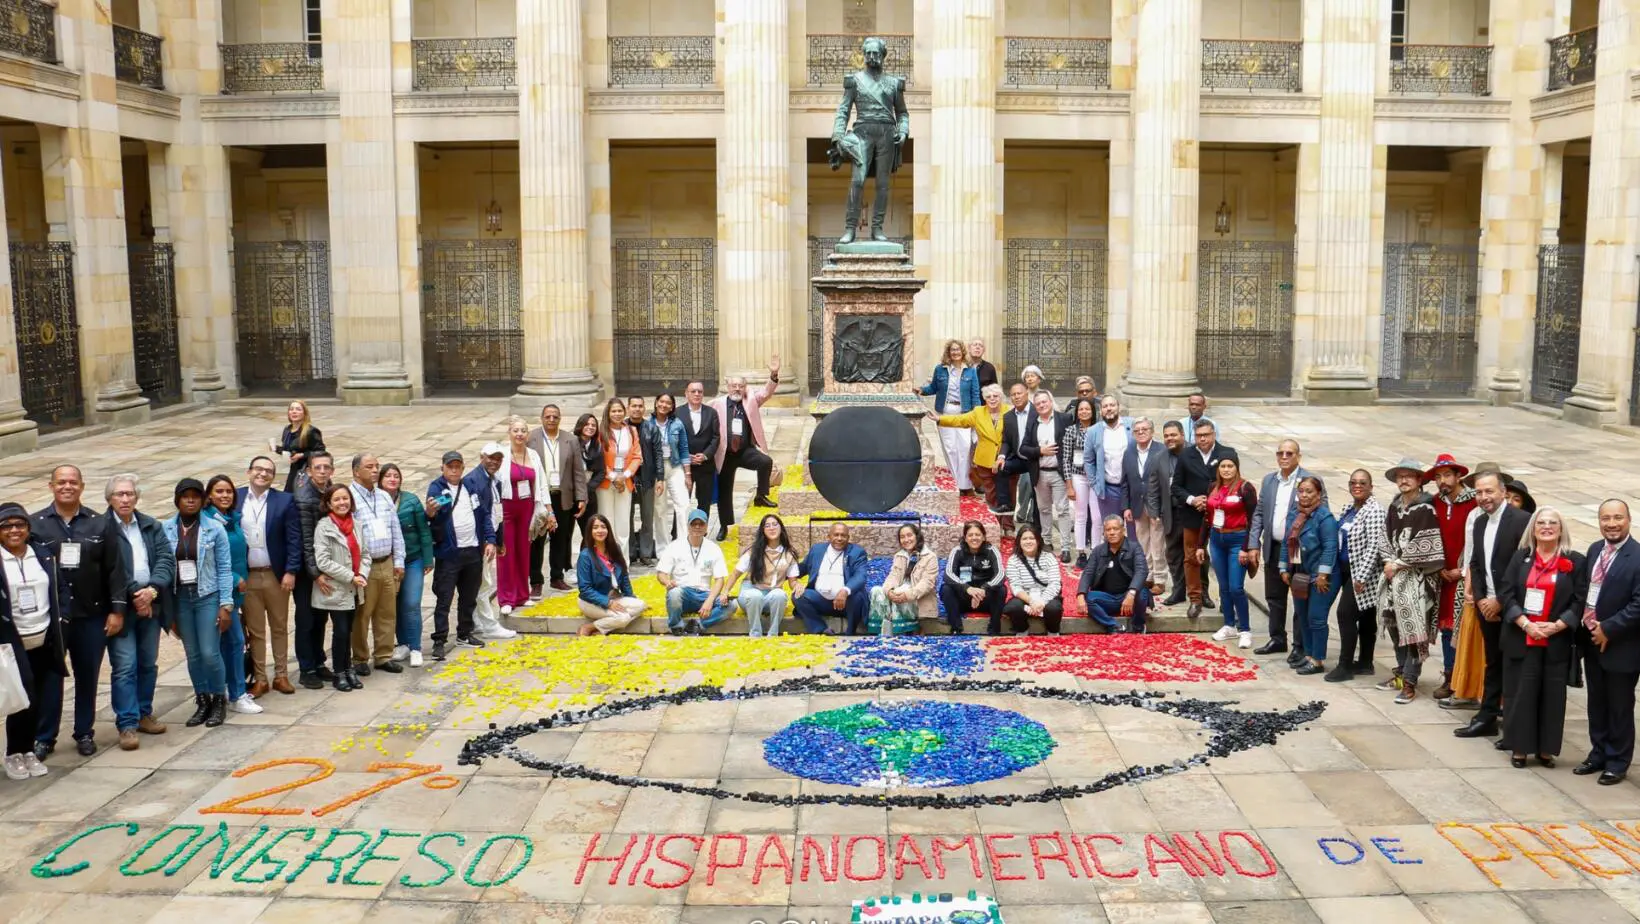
[868, 332]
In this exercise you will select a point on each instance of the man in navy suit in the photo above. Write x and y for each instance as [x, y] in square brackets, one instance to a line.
[273, 541]
[837, 583]
[1609, 638]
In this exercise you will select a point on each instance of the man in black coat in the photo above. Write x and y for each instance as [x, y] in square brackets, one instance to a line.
[1193, 480]
[1496, 537]
[1610, 641]
[1015, 422]
[700, 422]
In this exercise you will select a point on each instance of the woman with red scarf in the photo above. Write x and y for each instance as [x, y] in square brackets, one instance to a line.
[343, 574]
[1541, 596]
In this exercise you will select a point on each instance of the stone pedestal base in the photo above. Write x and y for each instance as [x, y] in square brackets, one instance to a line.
[869, 328]
[1589, 411]
[375, 397]
[1137, 387]
[575, 393]
[122, 411]
[18, 437]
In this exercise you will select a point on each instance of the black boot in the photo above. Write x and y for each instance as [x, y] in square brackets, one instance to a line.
[202, 708]
[217, 713]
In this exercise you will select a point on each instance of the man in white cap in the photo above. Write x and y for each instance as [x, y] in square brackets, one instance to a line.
[487, 615]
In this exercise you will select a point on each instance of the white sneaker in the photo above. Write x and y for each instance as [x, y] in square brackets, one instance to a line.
[1246, 640]
[400, 652]
[246, 705]
[415, 659]
[34, 766]
[15, 769]
[506, 610]
[499, 633]
[1225, 634]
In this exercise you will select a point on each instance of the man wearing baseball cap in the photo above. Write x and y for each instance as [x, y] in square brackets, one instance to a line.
[464, 541]
[487, 616]
[693, 571]
[1455, 509]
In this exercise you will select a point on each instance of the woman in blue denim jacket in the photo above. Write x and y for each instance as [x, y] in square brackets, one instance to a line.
[955, 384]
[202, 600]
[223, 509]
[1308, 557]
[677, 499]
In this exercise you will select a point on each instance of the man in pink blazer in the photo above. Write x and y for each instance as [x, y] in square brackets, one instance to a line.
[742, 444]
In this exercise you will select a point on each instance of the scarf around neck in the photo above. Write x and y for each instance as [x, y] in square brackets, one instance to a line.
[345, 524]
[1304, 513]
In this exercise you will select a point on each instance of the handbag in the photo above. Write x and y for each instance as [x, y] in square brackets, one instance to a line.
[13, 695]
[1300, 586]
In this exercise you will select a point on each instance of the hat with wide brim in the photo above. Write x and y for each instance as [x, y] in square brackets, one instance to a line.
[1487, 468]
[1519, 487]
[1406, 465]
[1445, 460]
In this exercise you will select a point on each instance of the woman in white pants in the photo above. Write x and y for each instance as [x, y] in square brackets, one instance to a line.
[1084, 502]
[677, 499]
[623, 453]
[955, 387]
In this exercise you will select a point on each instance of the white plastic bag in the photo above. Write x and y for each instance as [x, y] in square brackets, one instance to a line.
[13, 695]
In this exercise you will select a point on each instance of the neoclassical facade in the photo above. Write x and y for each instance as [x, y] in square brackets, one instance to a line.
[561, 200]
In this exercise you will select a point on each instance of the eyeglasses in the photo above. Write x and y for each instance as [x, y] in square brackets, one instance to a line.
[13, 524]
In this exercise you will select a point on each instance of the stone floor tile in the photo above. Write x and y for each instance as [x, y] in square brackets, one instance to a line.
[1121, 809]
[1384, 747]
[578, 805]
[1293, 911]
[650, 808]
[502, 804]
[392, 912]
[1190, 801]
[199, 909]
[1359, 908]
[1360, 797]
[738, 816]
[1525, 795]
[1276, 800]
[1418, 858]
[1158, 913]
[1090, 913]
[1301, 858]
[74, 796]
[1468, 907]
[314, 911]
[1441, 795]
[1316, 750]
[679, 755]
[1572, 908]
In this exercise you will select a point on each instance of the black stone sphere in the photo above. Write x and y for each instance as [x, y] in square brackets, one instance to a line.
[865, 459]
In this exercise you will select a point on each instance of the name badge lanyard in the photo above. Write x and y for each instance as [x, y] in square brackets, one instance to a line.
[187, 568]
[28, 602]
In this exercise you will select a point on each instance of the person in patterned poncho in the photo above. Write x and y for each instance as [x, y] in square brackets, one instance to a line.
[1455, 509]
[1410, 587]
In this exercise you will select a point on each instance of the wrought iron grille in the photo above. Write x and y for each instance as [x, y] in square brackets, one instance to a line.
[1462, 70]
[1055, 314]
[1429, 318]
[1057, 62]
[29, 28]
[833, 57]
[48, 332]
[1244, 316]
[1571, 57]
[1559, 322]
[819, 249]
[472, 333]
[154, 322]
[282, 310]
[442, 64]
[272, 67]
[660, 60]
[137, 58]
[1249, 64]
[665, 313]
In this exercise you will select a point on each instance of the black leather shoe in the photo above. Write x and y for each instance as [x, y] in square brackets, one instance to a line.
[341, 684]
[1588, 767]
[761, 501]
[310, 681]
[1296, 655]
[87, 747]
[1081, 560]
[326, 674]
[1273, 646]
[1611, 779]
[353, 680]
[202, 708]
[362, 668]
[1174, 599]
[1518, 762]
[1339, 674]
[43, 749]
[1546, 761]
[1207, 603]
[1501, 745]
[1477, 728]
[1195, 611]
[1308, 668]
[723, 533]
[391, 667]
[1363, 670]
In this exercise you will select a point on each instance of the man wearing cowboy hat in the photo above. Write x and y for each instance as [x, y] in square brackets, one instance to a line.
[1410, 586]
[1496, 536]
[1455, 509]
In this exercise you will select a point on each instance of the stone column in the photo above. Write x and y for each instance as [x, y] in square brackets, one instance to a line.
[362, 181]
[17, 433]
[1606, 341]
[964, 152]
[753, 194]
[1340, 338]
[1513, 205]
[1166, 173]
[1119, 229]
[552, 177]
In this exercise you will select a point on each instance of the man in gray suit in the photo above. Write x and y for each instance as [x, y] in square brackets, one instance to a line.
[1147, 498]
[1267, 530]
[567, 481]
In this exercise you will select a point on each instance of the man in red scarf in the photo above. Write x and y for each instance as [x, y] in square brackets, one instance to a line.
[1455, 510]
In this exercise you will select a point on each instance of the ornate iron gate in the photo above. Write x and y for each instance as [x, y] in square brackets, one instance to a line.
[1429, 318]
[154, 322]
[819, 249]
[48, 333]
[1244, 316]
[1055, 314]
[1558, 324]
[472, 333]
[282, 310]
[665, 314]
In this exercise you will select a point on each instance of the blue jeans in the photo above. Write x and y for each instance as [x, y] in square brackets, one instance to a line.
[1104, 609]
[233, 654]
[681, 600]
[1232, 575]
[1449, 655]
[1310, 617]
[757, 602]
[196, 621]
[133, 663]
[408, 626]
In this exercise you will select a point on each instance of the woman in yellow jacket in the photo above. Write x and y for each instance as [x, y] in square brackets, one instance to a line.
[986, 422]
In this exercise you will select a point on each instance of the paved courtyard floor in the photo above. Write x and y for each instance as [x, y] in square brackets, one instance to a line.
[1240, 793]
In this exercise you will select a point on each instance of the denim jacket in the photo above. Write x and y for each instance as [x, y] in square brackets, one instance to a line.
[1317, 543]
[214, 559]
[595, 584]
[968, 388]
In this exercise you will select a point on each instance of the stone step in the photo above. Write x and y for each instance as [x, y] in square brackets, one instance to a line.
[737, 625]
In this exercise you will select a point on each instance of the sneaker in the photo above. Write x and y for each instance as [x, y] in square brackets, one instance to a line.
[1225, 634]
[245, 705]
[467, 641]
[15, 769]
[438, 651]
[34, 765]
[1246, 640]
[1409, 692]
[506, 610]
[400, 652]
[1393, 683]
[499, 634]
[415, 659]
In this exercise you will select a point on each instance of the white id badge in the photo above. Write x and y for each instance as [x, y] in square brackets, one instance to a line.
[737, 427]
[1534, 601]
[27, 600]
[965, 574]
[1298, 557]
[1218, 517]
[472, 501]
[69, 555]
[523, 490]
[1594, 594]
[188, 571]
[552, 480]
[1076, 458]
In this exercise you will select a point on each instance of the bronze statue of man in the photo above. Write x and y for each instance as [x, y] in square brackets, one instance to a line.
[881, 124]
